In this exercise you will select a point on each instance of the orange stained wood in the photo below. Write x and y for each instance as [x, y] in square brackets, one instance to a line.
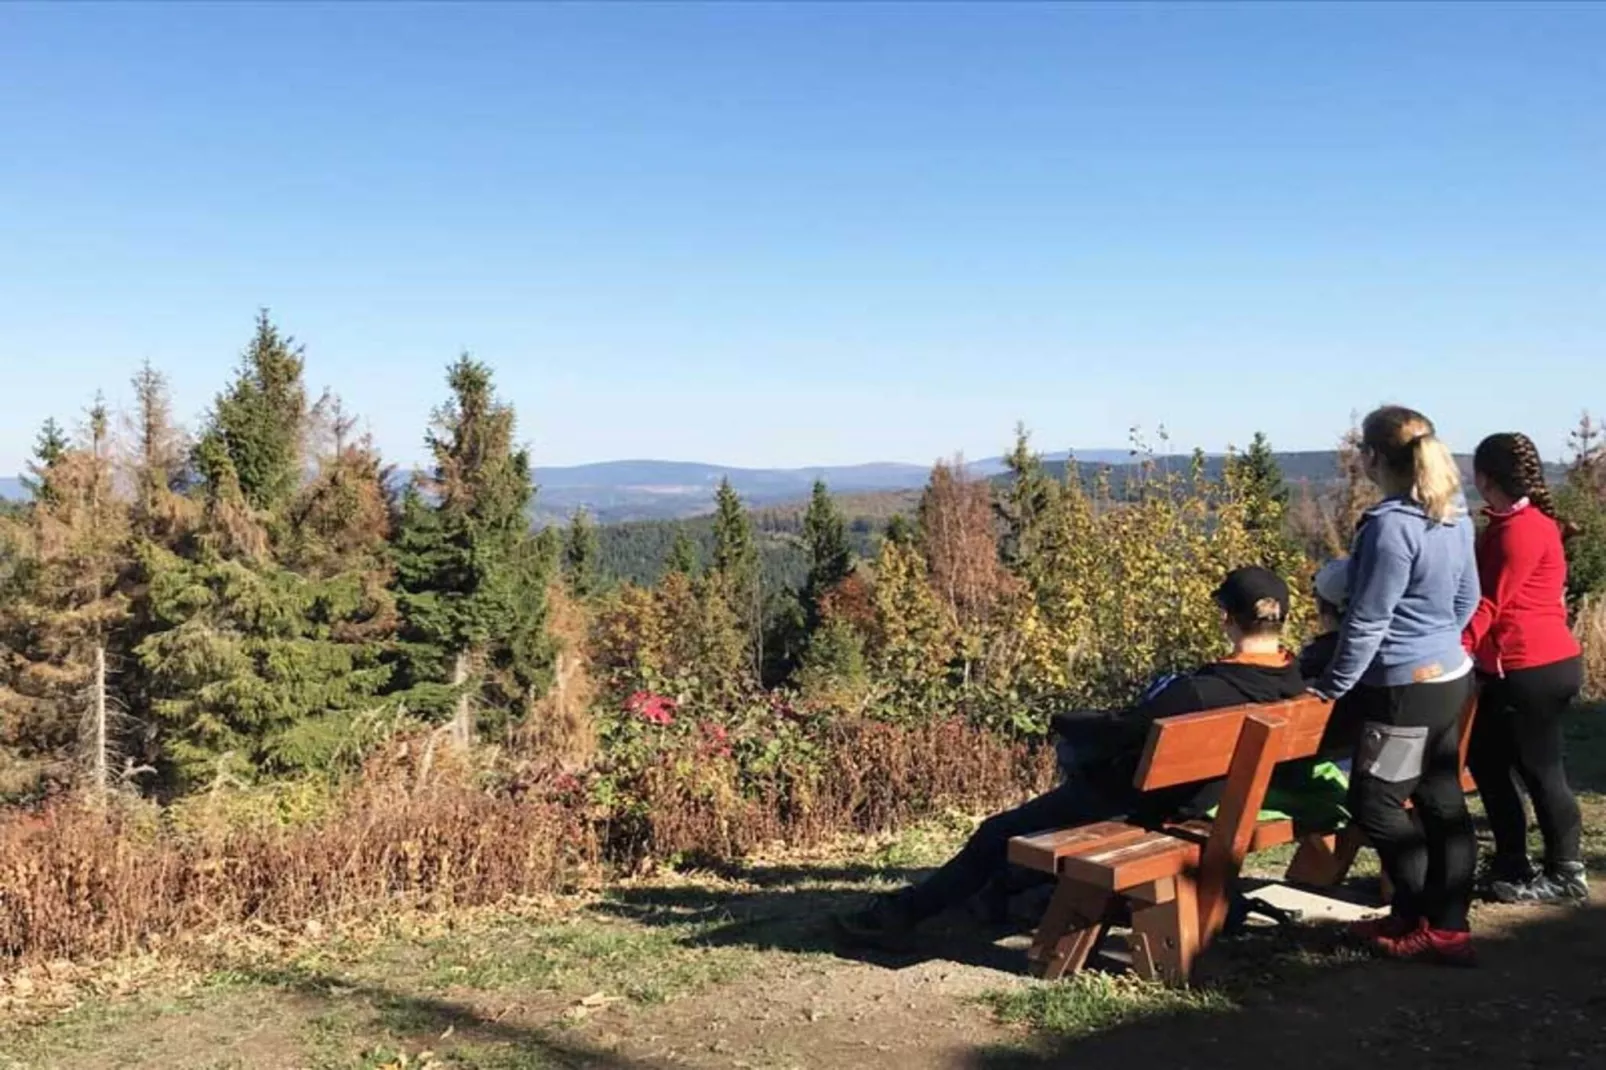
[1199, 746]
[1254, 758]
[1155, 856]
[1044, 851]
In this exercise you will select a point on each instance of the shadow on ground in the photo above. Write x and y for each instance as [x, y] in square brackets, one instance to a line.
[1535, 1001]
[791, 911]
[430, 1018]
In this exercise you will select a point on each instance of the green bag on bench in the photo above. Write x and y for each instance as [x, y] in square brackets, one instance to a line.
[1311, 793]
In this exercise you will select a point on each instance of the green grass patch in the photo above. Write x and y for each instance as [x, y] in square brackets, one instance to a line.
[1094, 1002]
[646, 965]
[498, 1057]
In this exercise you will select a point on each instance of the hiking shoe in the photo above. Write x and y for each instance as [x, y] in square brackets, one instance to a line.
[1376, 932]
[1570, 880]
[1497, 869]
[1536, 889]
[1444, 947]
[884, 925]
[1564, 882]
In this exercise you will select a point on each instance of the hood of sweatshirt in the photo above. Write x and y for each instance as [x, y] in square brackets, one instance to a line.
[1259, 678]
[1407, 507]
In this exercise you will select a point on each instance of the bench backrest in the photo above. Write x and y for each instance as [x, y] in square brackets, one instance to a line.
[1200, 746]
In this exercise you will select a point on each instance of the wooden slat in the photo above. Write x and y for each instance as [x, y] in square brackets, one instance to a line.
[1044, 850]
[1273, 832]
[1199, 746]
[1116, 869]
[1223, 856]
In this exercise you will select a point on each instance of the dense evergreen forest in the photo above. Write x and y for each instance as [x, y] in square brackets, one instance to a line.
[263, 597]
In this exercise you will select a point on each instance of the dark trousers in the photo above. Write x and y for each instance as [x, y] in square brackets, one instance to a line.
[986, 853]
[1517, 736]
[1429, 852]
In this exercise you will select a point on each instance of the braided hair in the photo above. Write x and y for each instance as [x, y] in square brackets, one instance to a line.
[1511, 462]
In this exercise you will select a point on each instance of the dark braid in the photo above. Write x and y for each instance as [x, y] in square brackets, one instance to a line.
[1511, 462]
[1531, 475]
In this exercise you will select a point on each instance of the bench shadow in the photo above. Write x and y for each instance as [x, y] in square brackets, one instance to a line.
[1535, 1001]
[791, 911]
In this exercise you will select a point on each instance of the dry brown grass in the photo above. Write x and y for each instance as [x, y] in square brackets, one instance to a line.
[560, 727]
[1590, 627]
[874, 777]
[78, 881]
[418, 831]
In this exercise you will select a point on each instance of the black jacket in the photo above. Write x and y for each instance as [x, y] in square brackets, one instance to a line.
[1116, 738]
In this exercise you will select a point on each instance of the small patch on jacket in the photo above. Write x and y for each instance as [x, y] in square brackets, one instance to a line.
[1427, 673]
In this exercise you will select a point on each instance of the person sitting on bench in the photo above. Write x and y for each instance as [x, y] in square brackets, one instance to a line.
[1105, 748]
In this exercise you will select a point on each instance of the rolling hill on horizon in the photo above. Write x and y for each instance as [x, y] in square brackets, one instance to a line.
[634, 490]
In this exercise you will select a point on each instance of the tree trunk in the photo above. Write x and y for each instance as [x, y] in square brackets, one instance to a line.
[463, 718]
[99, 758]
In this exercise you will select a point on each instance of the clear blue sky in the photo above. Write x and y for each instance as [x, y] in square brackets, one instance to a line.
[822, 233]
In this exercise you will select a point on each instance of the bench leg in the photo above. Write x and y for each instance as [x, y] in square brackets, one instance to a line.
[1323, 861]
[1165, 933]
[1316, 862]
[1069, 931]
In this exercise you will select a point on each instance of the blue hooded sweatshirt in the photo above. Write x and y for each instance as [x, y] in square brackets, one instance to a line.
[1413, 586]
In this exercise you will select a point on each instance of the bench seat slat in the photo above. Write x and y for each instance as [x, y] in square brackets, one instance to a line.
[1044, 851]
[1273, 832]
[1156, 856]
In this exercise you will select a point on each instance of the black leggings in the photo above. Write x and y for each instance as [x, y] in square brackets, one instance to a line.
[1518, 736]
[986, 854]
[1410, 749]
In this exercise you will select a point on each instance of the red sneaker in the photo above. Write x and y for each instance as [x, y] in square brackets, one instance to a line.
[1375, 932]
[1443, 946]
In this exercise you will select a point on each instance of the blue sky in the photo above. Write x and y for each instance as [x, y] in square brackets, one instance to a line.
[823, 233]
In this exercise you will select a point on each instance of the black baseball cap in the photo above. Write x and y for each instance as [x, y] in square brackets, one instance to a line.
[1254, 594]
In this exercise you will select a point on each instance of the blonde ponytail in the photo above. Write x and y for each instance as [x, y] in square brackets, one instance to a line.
[1412, 461]
[1437, 482]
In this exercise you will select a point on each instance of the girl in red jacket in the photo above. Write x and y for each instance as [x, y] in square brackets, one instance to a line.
[1531, 670]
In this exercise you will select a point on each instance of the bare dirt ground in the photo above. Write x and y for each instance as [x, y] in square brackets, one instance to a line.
[735, 970]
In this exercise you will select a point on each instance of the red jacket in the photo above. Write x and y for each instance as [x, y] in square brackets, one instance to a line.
[1521, 620]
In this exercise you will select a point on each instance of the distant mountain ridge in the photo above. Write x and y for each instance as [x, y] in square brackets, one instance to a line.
[618, 491]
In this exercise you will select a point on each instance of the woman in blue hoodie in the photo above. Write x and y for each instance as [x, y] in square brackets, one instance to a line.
[1413, 587]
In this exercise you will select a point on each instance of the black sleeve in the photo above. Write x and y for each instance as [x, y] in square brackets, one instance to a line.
[1317, 655]
[1179, 696]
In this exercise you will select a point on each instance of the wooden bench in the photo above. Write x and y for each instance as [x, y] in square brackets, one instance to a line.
[1176, 881]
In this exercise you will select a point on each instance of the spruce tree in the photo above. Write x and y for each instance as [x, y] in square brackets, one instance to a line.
[1025, 504]
[470, 574]
[159, 458]
[49, 447]
[830, 557]
[682, 560]
[259, 421]
[1260, 481]
[582, 552]
[735, 564]
[901, 531]
[1581, 500]
[63, 618]
[264, 622]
